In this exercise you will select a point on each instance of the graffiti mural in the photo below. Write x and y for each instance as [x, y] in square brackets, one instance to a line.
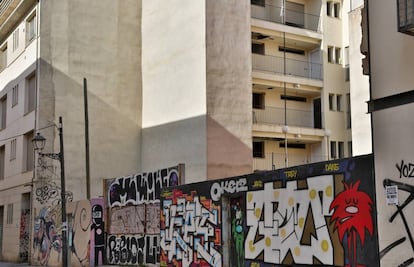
[237, 232]
[97, 243]
[318, 214]
[140, 188]
[79, 219]
[24, 235]
[352, 216]
[134, 216]
[133, 249]
[47, 241]
[127, 220]
[190, 233]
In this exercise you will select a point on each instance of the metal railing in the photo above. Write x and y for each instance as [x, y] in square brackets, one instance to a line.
[273, 115]
[273, 161]
[293, 18]
[294, 67]
[4, 5]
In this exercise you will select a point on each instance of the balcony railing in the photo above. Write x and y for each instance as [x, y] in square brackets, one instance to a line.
[273, 161]
[293, 18]
[273, 115]
[294, 67]
[406, 16]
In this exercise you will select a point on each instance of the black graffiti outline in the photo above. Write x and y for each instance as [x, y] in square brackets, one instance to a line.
[409, 189]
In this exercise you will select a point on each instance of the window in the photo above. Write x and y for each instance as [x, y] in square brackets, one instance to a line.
[29, 151]
[9, 219]
[338, 58]
[30, 93]
[258, 149]
[337, 10]
[13, 149]
[2, 163]
[331, 102]
[15, 95]
[348, 111]
[31, 28]
[330, 54]
[341, 152]
[258, 2]
[258, 49]
[16, 39]
[3, 110]
[258, 101]
[329, 9]
[405, 16]
[3, 57]
[333, 150]
[350, 148]
[338, 102]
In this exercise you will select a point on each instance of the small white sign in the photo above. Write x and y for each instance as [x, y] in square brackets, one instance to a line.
[392, 194]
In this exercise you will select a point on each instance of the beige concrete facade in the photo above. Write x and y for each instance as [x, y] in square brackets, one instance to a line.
[167, 84]
[391, 60]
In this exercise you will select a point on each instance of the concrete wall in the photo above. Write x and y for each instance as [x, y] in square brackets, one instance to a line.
[391, 61]
[197, 87]
[285, 217]
[100, 41]
[359, 89]
[174, 85]
[229, 88]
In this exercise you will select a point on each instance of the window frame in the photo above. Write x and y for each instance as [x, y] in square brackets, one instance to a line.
[31, 28]
[13, 149]
[258, 149]
[15, 95]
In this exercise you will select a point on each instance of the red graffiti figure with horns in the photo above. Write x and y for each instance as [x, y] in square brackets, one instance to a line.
[352, 215]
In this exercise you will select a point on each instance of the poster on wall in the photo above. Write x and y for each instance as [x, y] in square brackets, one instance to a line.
[320, 214]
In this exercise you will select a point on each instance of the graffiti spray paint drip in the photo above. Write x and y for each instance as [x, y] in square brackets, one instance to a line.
[352, 215]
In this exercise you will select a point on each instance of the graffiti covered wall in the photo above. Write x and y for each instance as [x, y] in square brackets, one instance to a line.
[316, 214]
[395, 193]
[134, 216]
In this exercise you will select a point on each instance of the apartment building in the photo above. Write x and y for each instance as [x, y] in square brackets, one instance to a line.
[300, 82]
[47, 48]
[224, 87]
[389, 35]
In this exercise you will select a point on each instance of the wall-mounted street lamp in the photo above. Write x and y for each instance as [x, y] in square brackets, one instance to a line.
[39, 143]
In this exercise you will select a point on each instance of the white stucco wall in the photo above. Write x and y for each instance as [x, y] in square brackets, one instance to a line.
[174, 86]
[173, 61]
[391, 58]
[359, 90]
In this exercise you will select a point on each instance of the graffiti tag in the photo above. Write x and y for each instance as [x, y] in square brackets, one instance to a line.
[140, 188]
[133, 249]
[406, 169]
[227, 186]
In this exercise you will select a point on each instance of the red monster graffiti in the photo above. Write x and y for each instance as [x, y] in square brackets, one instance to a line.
[352, 215]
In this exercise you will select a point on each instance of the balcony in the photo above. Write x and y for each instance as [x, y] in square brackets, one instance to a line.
[273, 115]
[273, 64]
[273, 161]
[406, 16]
[294, 18]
